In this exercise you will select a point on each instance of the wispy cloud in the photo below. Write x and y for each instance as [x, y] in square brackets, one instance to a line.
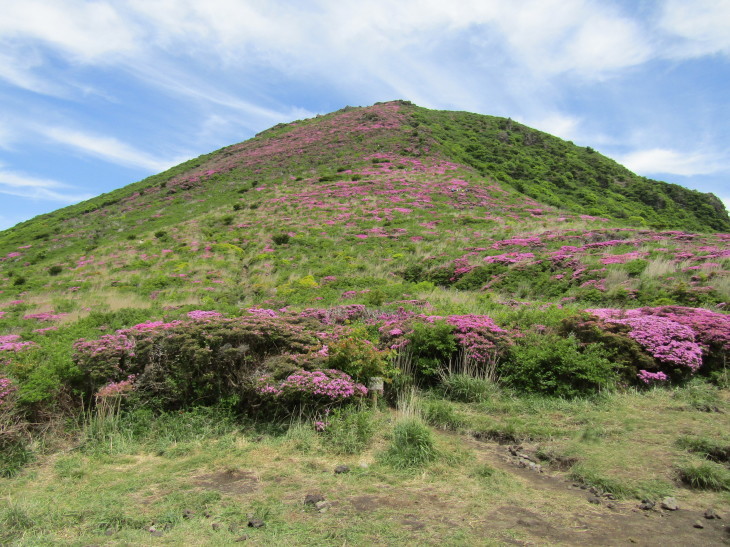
[23, 185]
[664, 161]
[107, 148]
[698, 28]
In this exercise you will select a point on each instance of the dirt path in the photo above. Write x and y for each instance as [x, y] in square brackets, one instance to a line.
[600, 520]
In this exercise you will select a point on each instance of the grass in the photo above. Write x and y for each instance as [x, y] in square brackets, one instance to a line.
[401, 470]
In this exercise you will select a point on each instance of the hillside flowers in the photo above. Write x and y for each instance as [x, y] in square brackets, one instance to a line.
[319, 387]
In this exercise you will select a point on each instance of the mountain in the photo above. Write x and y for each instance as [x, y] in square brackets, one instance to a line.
[381, 199]
[217, 328]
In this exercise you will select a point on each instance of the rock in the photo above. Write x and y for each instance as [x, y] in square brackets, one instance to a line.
[256, 523]
[216, 526]
[242, 538]
[322, 506]
[188, 514]
[698, 524]
[313, 499]
[342, 469]
[710, 514]
[611, 505]
[594, 499]
[670, 504]
[646, 505]
[595, 491]
[609, 496]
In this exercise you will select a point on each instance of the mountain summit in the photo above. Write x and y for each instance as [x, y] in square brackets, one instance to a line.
[371, 201]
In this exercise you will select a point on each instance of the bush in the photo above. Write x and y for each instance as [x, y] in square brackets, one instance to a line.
[705, 476]
[441, 414]
[281, 239]
[306, 391]
[433, 346]
[358, 357]
[466, 389]
[412, 445]
[558, 366]
[192, 362]
[349, 430]
[55, 270]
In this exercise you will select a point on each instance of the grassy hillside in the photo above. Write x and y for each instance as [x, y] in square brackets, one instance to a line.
[499, 281]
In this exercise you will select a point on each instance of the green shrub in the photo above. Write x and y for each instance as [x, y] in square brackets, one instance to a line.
[412, 445]
[558, 366]
[711, 449]
[433, 346]
[281, 239]
[705, 476]
[349, 430]
[357, 356]
[466, 389]
[55, 269]
[441, 414]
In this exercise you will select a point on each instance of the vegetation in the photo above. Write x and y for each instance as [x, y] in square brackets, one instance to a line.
[431, 300]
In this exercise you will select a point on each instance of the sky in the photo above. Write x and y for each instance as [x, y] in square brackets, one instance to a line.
[95, 95]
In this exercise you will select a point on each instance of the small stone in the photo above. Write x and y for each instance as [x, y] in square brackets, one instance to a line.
[646, 505]
[710, 514]
[256, 523]
[322, 506]
[363, 465]
[594, 499]
[698, 524]
[609, 496]
[670, 504]
[188, 514]
[216, 526]
[341, 469]
[242, 538]
[595, 491]
[611, 505]
[313, 499]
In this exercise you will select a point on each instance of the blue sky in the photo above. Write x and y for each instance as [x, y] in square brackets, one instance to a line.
[95, 95]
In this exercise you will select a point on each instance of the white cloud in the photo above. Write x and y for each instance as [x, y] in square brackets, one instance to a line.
[27, 186]
[703, 27]
[107, 148]
[85, 31]
[560, 125]
[662, 160]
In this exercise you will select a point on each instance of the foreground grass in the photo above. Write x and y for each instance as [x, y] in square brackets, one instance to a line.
[198, 478]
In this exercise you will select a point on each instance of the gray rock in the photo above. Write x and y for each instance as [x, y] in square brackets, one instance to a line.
[646, 505]
[698, 524]
[710, 514]
[256, 523]
[313, 499]
[594, 499]
[342, 469]
[670, 504]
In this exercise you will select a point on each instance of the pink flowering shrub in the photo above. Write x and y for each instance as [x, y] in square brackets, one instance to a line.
[12, 342]
[105, 359]
[310, 389]
[680, 339]
[652, 377]
[7, 387]
[196, 361]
